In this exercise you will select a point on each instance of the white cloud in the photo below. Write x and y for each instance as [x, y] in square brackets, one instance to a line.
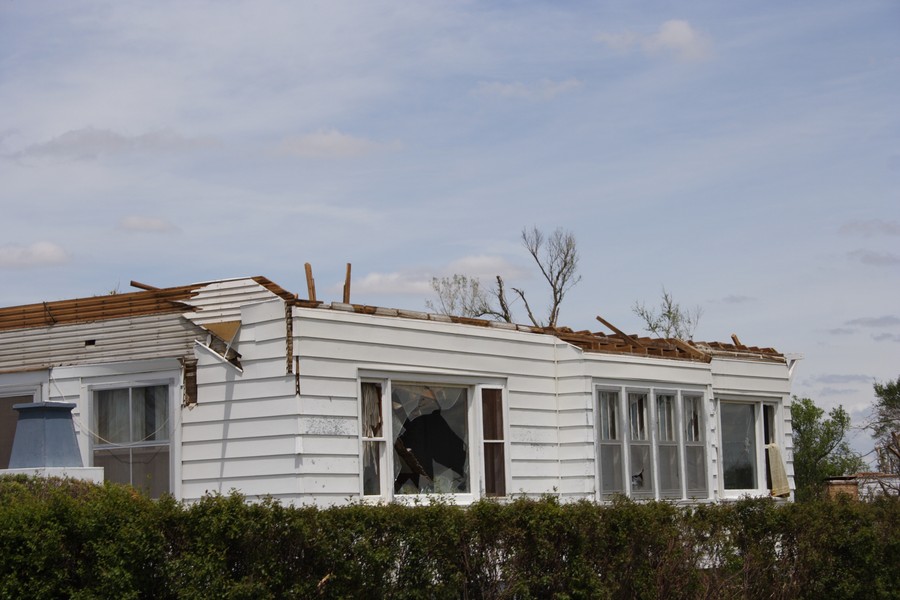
[91, 143]
[871, 227]
[545, 89]
[394, 283]
[417, 281]
[328, 144]
[148, 224]
[676, 37]
[38, 254]
[875, 259]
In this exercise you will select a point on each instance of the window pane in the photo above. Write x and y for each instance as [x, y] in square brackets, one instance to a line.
[431, 442]
[695, 471]
[492, 414]
[609, 415]
[116, 464]
[739, 446]
[113, 417]
[150, 469]
[641, 470]
[665, 415]
[372, 468]
[693, 419]
[494, 469]
[149, 412]
[669, 473]
[637, 415]
[611, 469]
[372, 422]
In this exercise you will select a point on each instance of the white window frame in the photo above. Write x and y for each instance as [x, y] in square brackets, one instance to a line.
[474, 423]
[172, 406]
[679, 392]
[777, 433]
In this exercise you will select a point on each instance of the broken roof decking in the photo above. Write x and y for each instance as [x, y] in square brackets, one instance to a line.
[117, 306]
[218, 301]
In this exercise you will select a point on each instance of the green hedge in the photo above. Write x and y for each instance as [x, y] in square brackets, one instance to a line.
[66, 539]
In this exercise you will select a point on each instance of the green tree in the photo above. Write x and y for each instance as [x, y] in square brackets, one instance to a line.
[885, 426]
[820, 450]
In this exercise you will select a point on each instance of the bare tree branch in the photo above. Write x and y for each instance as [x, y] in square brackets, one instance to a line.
[557, 259]
[672, 321]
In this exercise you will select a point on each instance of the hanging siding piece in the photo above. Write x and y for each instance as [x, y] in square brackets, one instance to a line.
[289, 336]
[347, 286]
[310, 283]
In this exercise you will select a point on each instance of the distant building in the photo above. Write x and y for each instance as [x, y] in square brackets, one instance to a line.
[239, 384]
[863, 486]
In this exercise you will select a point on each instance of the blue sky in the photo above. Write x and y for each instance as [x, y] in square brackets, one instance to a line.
[744, 155]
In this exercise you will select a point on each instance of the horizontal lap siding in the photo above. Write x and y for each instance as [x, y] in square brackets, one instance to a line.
[333, 348]
[243, 432]
[114, 340]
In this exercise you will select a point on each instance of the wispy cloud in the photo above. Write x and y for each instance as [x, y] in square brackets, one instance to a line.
[675, 37]
[849, 378]
[38, 254]
[91, 143]
[871, 227]
[147, 224]
[885, 321]
[417, 281]
[738, 299]
[841, 331]
[886, 337]
[329, 144]
[545, 89]
[834, 391]
[875, 259]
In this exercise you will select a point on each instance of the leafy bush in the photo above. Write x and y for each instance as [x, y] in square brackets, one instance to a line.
[62, 538]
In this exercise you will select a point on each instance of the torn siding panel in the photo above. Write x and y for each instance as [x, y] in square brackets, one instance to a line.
[115, 340]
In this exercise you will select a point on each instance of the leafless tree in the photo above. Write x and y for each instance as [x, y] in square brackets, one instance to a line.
[460, 296]
[556, 256]
[671, 320]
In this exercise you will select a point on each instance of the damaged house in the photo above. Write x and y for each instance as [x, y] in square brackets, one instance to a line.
[239, 384]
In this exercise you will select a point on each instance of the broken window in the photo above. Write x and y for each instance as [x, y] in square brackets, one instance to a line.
[430, 439]
[416, 438]
[373, 438]
[667, 439]
[131, 436]
[641, 467]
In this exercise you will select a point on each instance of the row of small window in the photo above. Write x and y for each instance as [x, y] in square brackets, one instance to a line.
[651, 442]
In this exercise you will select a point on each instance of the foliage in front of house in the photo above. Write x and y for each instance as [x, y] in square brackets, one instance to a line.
[72, 539]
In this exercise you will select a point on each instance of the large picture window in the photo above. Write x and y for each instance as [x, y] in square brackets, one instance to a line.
[131, 436]
[417, 438]
[662, 452]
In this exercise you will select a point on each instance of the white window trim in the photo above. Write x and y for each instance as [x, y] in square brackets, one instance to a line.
[474, 421]
[759, 414]
[623, 388]
[172, 382]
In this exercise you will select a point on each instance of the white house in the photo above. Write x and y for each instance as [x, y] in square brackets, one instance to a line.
[238, 384]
